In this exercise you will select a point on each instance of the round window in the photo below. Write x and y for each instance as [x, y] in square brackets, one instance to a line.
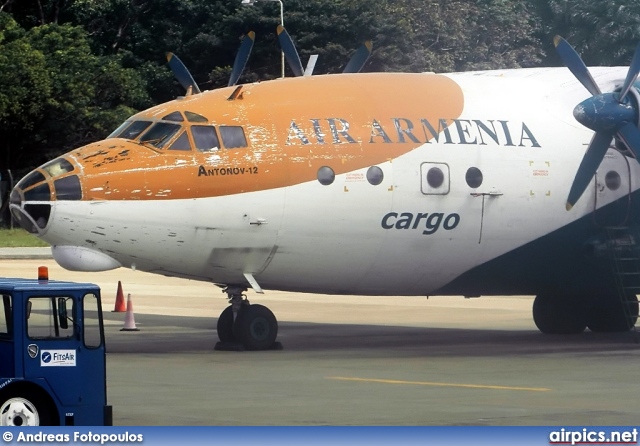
[473, 177]
[326, 175]
[435, 177]
[612, 180]
[375, 175]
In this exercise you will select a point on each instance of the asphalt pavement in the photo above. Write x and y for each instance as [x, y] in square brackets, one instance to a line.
[25, 253]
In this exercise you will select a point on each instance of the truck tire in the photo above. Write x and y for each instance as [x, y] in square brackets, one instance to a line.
[23, 408]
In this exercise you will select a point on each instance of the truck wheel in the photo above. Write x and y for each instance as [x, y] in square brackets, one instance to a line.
[20, 411]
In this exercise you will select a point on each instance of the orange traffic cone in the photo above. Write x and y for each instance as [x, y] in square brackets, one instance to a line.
[129, 321]
[119, 308]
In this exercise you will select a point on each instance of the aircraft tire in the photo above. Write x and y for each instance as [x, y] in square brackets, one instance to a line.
[23, 408]
[225, 325]
[558, 314]
[256, 327]
[609, 316]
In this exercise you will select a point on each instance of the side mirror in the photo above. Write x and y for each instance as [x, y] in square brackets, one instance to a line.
[62, 313]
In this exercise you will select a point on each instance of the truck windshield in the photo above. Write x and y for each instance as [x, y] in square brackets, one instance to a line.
[50, 317]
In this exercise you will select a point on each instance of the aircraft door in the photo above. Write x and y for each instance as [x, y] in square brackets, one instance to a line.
[612, 201]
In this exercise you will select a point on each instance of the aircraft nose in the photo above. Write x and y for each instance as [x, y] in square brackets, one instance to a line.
[32, 199]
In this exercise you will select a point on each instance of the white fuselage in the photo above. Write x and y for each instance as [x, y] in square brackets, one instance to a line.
[401, 237]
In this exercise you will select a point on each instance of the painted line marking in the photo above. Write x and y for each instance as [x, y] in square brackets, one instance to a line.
[424, 383]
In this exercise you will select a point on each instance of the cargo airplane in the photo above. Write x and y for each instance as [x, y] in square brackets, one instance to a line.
[506, 182]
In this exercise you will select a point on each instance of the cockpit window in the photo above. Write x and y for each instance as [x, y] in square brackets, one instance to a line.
[41, 192]
[58, 167]
[233, 137]
[182, 143]
[132, 131]
[175, 116]
[205, 137]
[68, 188]
[160, 134]
[119, 130]
[194, 117]
[33, 178]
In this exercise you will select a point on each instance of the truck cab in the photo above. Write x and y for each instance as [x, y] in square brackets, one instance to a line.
[52, 354]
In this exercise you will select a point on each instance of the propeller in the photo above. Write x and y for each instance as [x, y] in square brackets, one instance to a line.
[354, 65]
[289, 50]
[242, 57]
[360, 57]
[610, 115]
[181, 73]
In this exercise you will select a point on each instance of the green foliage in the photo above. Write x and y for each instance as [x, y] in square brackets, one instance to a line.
[71, 71]
[605, 32]
[12, 238]
[56, 94]
[459, 35]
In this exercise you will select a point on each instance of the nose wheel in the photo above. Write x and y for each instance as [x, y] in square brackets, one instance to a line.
[243, 326]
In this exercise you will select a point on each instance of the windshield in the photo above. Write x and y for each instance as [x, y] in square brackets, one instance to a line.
[172, 132]
[130, 129]
[159, 134]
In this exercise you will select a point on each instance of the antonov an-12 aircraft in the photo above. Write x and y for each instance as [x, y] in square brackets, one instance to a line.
[507, 182]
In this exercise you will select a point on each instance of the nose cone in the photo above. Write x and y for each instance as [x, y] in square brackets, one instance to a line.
[603, 113]
[32, 199]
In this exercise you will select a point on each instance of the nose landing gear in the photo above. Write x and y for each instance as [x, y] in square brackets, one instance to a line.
[243, 326]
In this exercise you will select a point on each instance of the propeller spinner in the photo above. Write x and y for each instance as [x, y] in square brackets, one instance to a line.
[608, 114]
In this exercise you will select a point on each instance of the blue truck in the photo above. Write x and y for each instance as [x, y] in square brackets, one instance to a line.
[52, 354]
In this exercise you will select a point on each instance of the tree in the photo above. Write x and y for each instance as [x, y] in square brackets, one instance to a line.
[74, 68]
[56, 95]
[24, 82]
[604, 32]
[460, 35]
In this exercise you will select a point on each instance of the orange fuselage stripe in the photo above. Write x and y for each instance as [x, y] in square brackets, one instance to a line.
[293, 126]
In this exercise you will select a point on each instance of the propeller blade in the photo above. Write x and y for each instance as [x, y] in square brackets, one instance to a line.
[632, 74]
[360, 57]
[311, 64]
[574, 63]
[290, 52]
[242, 57]
[630, 135]
[592, 159]
[181, 73]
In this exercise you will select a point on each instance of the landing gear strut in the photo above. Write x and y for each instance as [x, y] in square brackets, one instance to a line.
[243, 326]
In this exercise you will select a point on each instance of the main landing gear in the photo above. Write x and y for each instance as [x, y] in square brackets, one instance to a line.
[562, 314]
[243, 326]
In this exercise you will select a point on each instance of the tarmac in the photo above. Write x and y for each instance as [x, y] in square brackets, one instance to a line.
[351, 360]
[25, 253]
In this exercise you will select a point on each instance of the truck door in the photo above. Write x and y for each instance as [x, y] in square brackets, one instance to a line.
[6, 337]
[62, 347]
